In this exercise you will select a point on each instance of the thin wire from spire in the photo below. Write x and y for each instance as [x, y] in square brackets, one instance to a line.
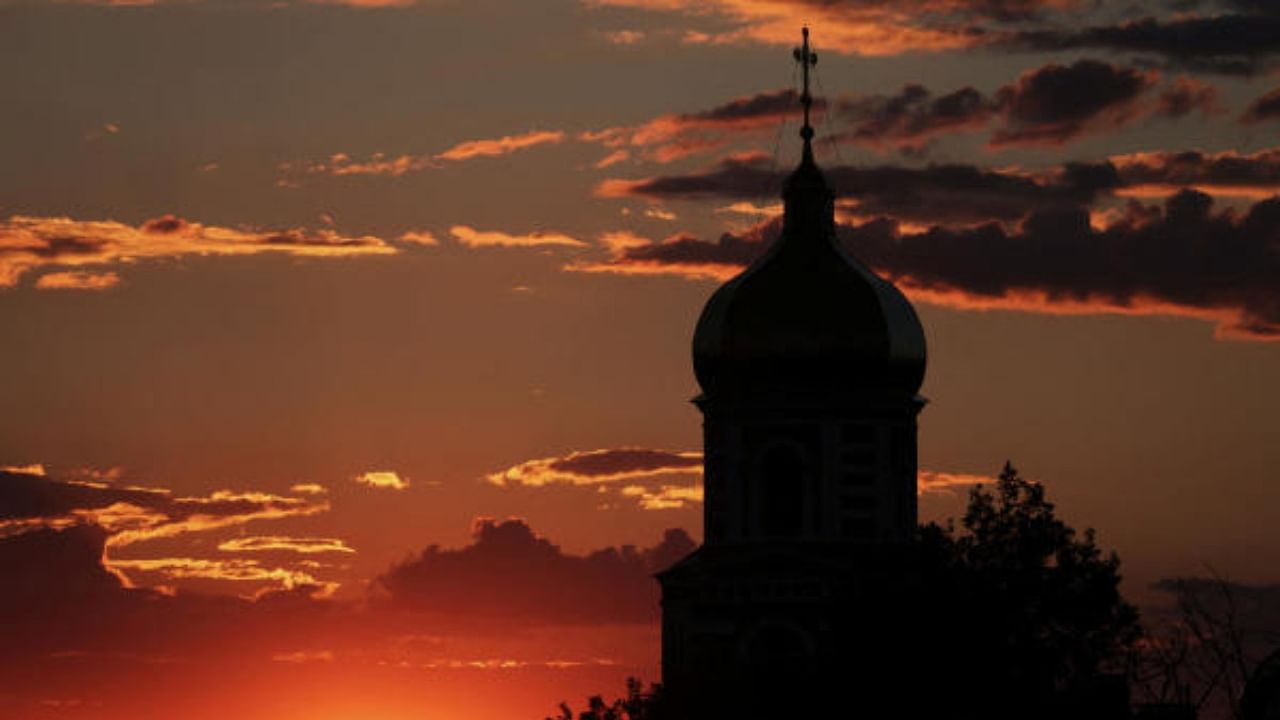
[807, 59]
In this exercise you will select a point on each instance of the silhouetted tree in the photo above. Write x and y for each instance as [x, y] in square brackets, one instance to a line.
[638, 704]
[1036, 610]
[1203, 653]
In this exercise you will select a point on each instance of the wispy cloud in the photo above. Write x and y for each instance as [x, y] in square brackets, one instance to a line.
[77, 281]
[235, 570]
[625, 37]
[671, 137]
[132, 514]
[472, 238]
[504, 145]
[663, 497]
[592, 467]
[303, 545]
[865, 27]
[382, 164]
[933, 482]
[66, 246]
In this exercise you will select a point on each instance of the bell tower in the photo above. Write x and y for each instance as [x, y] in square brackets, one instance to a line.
[810, 367]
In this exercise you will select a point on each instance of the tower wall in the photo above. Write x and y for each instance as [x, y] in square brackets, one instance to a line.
[856, 479]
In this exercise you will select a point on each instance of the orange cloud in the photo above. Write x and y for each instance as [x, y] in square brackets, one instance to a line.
[309, 489]
[237, 570]
[688, 271]
[132, 524]
[500, 146]
[665, 497]
[380, 164]
[1229, 323]
[613, 158]
[33, 243]
[472, 238]
[306, 546]
[749, 208]
[382, 479]
[631, 254]
[304, 656]
[639, 468]
[77, 281]
[625, 37]
[934, 482]
[671, 137]
[341, 164]
[419, 237]
[32, 469]
[131, 514]
[861, 28]
[593, 467]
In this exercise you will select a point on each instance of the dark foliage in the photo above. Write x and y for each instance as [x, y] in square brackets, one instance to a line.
[1035, 609]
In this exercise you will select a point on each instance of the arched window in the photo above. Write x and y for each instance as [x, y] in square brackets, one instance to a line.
[782, 492]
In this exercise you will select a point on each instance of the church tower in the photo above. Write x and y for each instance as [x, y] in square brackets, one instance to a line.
[810, 365]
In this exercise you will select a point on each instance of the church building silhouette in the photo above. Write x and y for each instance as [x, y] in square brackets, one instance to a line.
[810, 366]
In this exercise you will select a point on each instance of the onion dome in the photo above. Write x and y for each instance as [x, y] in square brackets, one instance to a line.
[807, 318]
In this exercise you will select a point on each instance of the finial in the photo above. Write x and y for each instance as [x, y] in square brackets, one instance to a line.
[807, 59]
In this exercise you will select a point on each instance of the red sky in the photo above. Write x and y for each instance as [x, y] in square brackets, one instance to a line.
[344, 346]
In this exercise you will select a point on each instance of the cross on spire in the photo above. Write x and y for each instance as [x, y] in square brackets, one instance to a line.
[807, 59]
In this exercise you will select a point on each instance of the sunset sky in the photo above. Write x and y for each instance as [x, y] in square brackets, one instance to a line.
[345, 344]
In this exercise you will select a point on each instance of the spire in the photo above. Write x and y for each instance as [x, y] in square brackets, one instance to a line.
[809, 204]
[807, 59]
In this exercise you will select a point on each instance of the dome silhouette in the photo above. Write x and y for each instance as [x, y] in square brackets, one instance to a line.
[807, 318]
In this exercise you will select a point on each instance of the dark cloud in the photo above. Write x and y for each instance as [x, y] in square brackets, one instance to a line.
[1258, 172]
[936, 193]
[130, 515]
[1006, 10]
[31, 496]
[1258, 7]
[912, 116]
[57, 595]
[1238, 44]
[1182, 259]
[625, 461]
[1056, 103]
[630, 475]
[772, 104]
[729, 250]
[47, 565]
[1186, 259]
[1053, 104]
[1264, 109]
[509, 573]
